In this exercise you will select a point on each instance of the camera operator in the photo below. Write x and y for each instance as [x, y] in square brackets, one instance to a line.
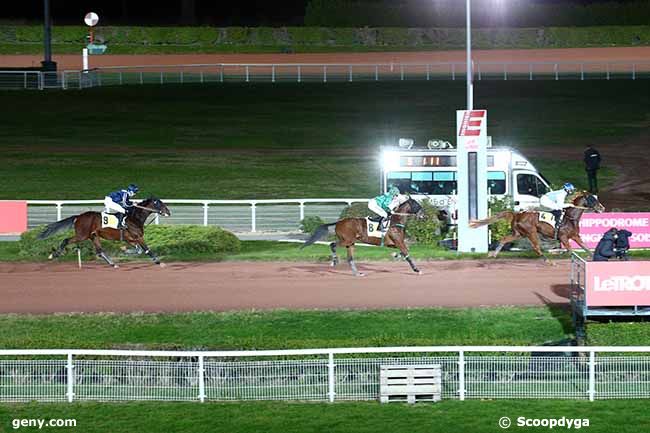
[622, 244]
[605, 249]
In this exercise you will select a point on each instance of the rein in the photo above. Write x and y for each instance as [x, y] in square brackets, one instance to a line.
[146, 208]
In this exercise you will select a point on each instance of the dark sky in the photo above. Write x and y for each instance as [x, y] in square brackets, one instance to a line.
[215, 12]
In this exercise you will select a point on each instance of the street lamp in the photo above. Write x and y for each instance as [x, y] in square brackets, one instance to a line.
[470, 72]
[47, 63]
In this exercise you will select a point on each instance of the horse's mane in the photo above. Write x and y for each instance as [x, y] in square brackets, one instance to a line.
[579, 195]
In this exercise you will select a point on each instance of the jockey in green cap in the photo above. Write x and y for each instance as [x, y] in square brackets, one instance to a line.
[383, 205]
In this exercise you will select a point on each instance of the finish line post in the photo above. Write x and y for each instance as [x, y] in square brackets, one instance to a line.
[472, 179]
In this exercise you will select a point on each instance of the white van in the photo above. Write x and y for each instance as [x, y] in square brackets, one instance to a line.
[431, 173]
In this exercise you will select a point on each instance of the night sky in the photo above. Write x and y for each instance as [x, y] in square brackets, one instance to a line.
[212, 12]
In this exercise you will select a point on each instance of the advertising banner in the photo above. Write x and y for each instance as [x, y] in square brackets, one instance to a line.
[13, 217]
[618, 284]
[594, 225]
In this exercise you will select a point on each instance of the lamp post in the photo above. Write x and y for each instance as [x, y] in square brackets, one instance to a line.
[470, 72]
[47, 63]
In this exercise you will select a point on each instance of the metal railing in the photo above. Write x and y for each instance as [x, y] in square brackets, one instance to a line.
[239, 216]
[324, 73]
[476, 372]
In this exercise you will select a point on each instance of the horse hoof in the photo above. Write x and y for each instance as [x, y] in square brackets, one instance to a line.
[50, 257]
[417, 271]
[162, 265]
[491, 255]
[116, 266]
[359, 274]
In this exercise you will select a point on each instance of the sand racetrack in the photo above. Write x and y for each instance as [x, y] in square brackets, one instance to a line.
[62, 287]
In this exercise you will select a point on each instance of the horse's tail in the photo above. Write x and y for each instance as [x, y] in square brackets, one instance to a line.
[56, 227]
[319, 233]
[505, 215]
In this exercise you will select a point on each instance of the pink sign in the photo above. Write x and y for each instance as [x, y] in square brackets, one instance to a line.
[614, 284]
[593, 225]
[13, 217]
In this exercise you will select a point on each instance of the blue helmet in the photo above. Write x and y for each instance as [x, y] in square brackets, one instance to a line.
[569, 188]
[132, 189]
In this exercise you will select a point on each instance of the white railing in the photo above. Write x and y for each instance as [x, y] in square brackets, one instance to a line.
[319, 72]
[468, 372]
[239, 216]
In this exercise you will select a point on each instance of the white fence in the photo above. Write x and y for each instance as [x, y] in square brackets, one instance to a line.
[482, 372]
[324, 73]
[239, 216]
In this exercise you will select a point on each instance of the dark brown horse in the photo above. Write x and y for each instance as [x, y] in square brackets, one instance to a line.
[88, 225]
[527, 224]
[352, 230]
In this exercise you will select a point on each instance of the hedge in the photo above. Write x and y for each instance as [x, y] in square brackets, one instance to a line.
[175, 240]
[19, 39]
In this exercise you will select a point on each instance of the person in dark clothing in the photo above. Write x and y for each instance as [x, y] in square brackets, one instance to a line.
[622, 244]
[592, 164]
[605, 248]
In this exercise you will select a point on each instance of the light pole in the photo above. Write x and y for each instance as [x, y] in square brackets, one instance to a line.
[470, 72]
[47, 63]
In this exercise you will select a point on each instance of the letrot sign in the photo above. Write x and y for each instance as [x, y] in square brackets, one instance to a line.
[617, 284]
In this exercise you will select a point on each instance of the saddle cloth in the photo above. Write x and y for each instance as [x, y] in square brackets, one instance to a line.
[109, 221]
[373, 228]
[547, 217]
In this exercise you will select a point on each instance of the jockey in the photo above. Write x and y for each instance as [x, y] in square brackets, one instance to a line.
[383, 205]
[555, 201]
[119, 202]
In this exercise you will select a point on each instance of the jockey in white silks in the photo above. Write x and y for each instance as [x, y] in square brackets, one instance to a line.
[555, 202]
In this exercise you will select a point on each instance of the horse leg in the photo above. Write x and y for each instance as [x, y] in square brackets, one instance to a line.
[353, 265]
[335, 258]
[405, 253]
[502, 242]
[100, 253]
[534, 241]
[150, 253]
[56, 253]
[579, 241]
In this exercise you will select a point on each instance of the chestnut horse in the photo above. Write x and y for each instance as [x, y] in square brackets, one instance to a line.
[527, 224]
[88, 225]
[352, 230]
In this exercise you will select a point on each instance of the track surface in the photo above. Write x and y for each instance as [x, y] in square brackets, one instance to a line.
[71, 61]
[50, 288]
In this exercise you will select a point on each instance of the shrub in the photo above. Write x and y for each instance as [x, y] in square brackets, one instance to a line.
[500, 228]
[310, 224]
[164, 240]
[356, 210]
[429, 230]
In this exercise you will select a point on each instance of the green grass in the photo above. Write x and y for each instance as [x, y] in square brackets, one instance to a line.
[277, 141]
[288, 329]
[9, 251]
[367, 417]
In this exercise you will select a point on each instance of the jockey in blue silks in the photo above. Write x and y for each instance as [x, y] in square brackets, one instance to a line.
[119, 202]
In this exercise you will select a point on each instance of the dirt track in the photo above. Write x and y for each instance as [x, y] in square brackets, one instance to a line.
[71, 61]
[50, 288]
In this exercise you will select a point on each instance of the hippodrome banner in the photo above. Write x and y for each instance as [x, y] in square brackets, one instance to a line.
[617, 283]
[593, 225]
[13, 217]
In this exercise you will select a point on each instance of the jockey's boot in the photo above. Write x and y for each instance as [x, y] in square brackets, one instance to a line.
[122, 223]
[383, 224]
[558, 221]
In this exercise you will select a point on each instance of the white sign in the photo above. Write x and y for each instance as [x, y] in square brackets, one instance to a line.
[91, 19]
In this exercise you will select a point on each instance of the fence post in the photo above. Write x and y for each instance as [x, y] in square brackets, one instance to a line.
[70, 378]
[557, 77]
[302, 210]
[461, 375]
[582, 71]
[505, 72]
[330, 377]
[453, 72]
[478, 69]
[324, 73]
[247, 74]
[253, 216]
[161, 77]
[350, 73]
[157, 219]
[608, 71]
[273, 73]
[58, 211]
[141, 78]
[205, 213]
[401, 72]
[592, 375]
[530, 71]
[121, 78]
[201, 378]
[80, 83]
[201, 75]
[633, 71]
[376, 72]
[299, 73]
[221, 74]
[181, 77]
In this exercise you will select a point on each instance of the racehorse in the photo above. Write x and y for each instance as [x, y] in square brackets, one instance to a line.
[88, 225]
[351, 230]
[527, 224]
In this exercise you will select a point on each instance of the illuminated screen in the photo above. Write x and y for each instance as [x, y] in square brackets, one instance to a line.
[427, 161]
